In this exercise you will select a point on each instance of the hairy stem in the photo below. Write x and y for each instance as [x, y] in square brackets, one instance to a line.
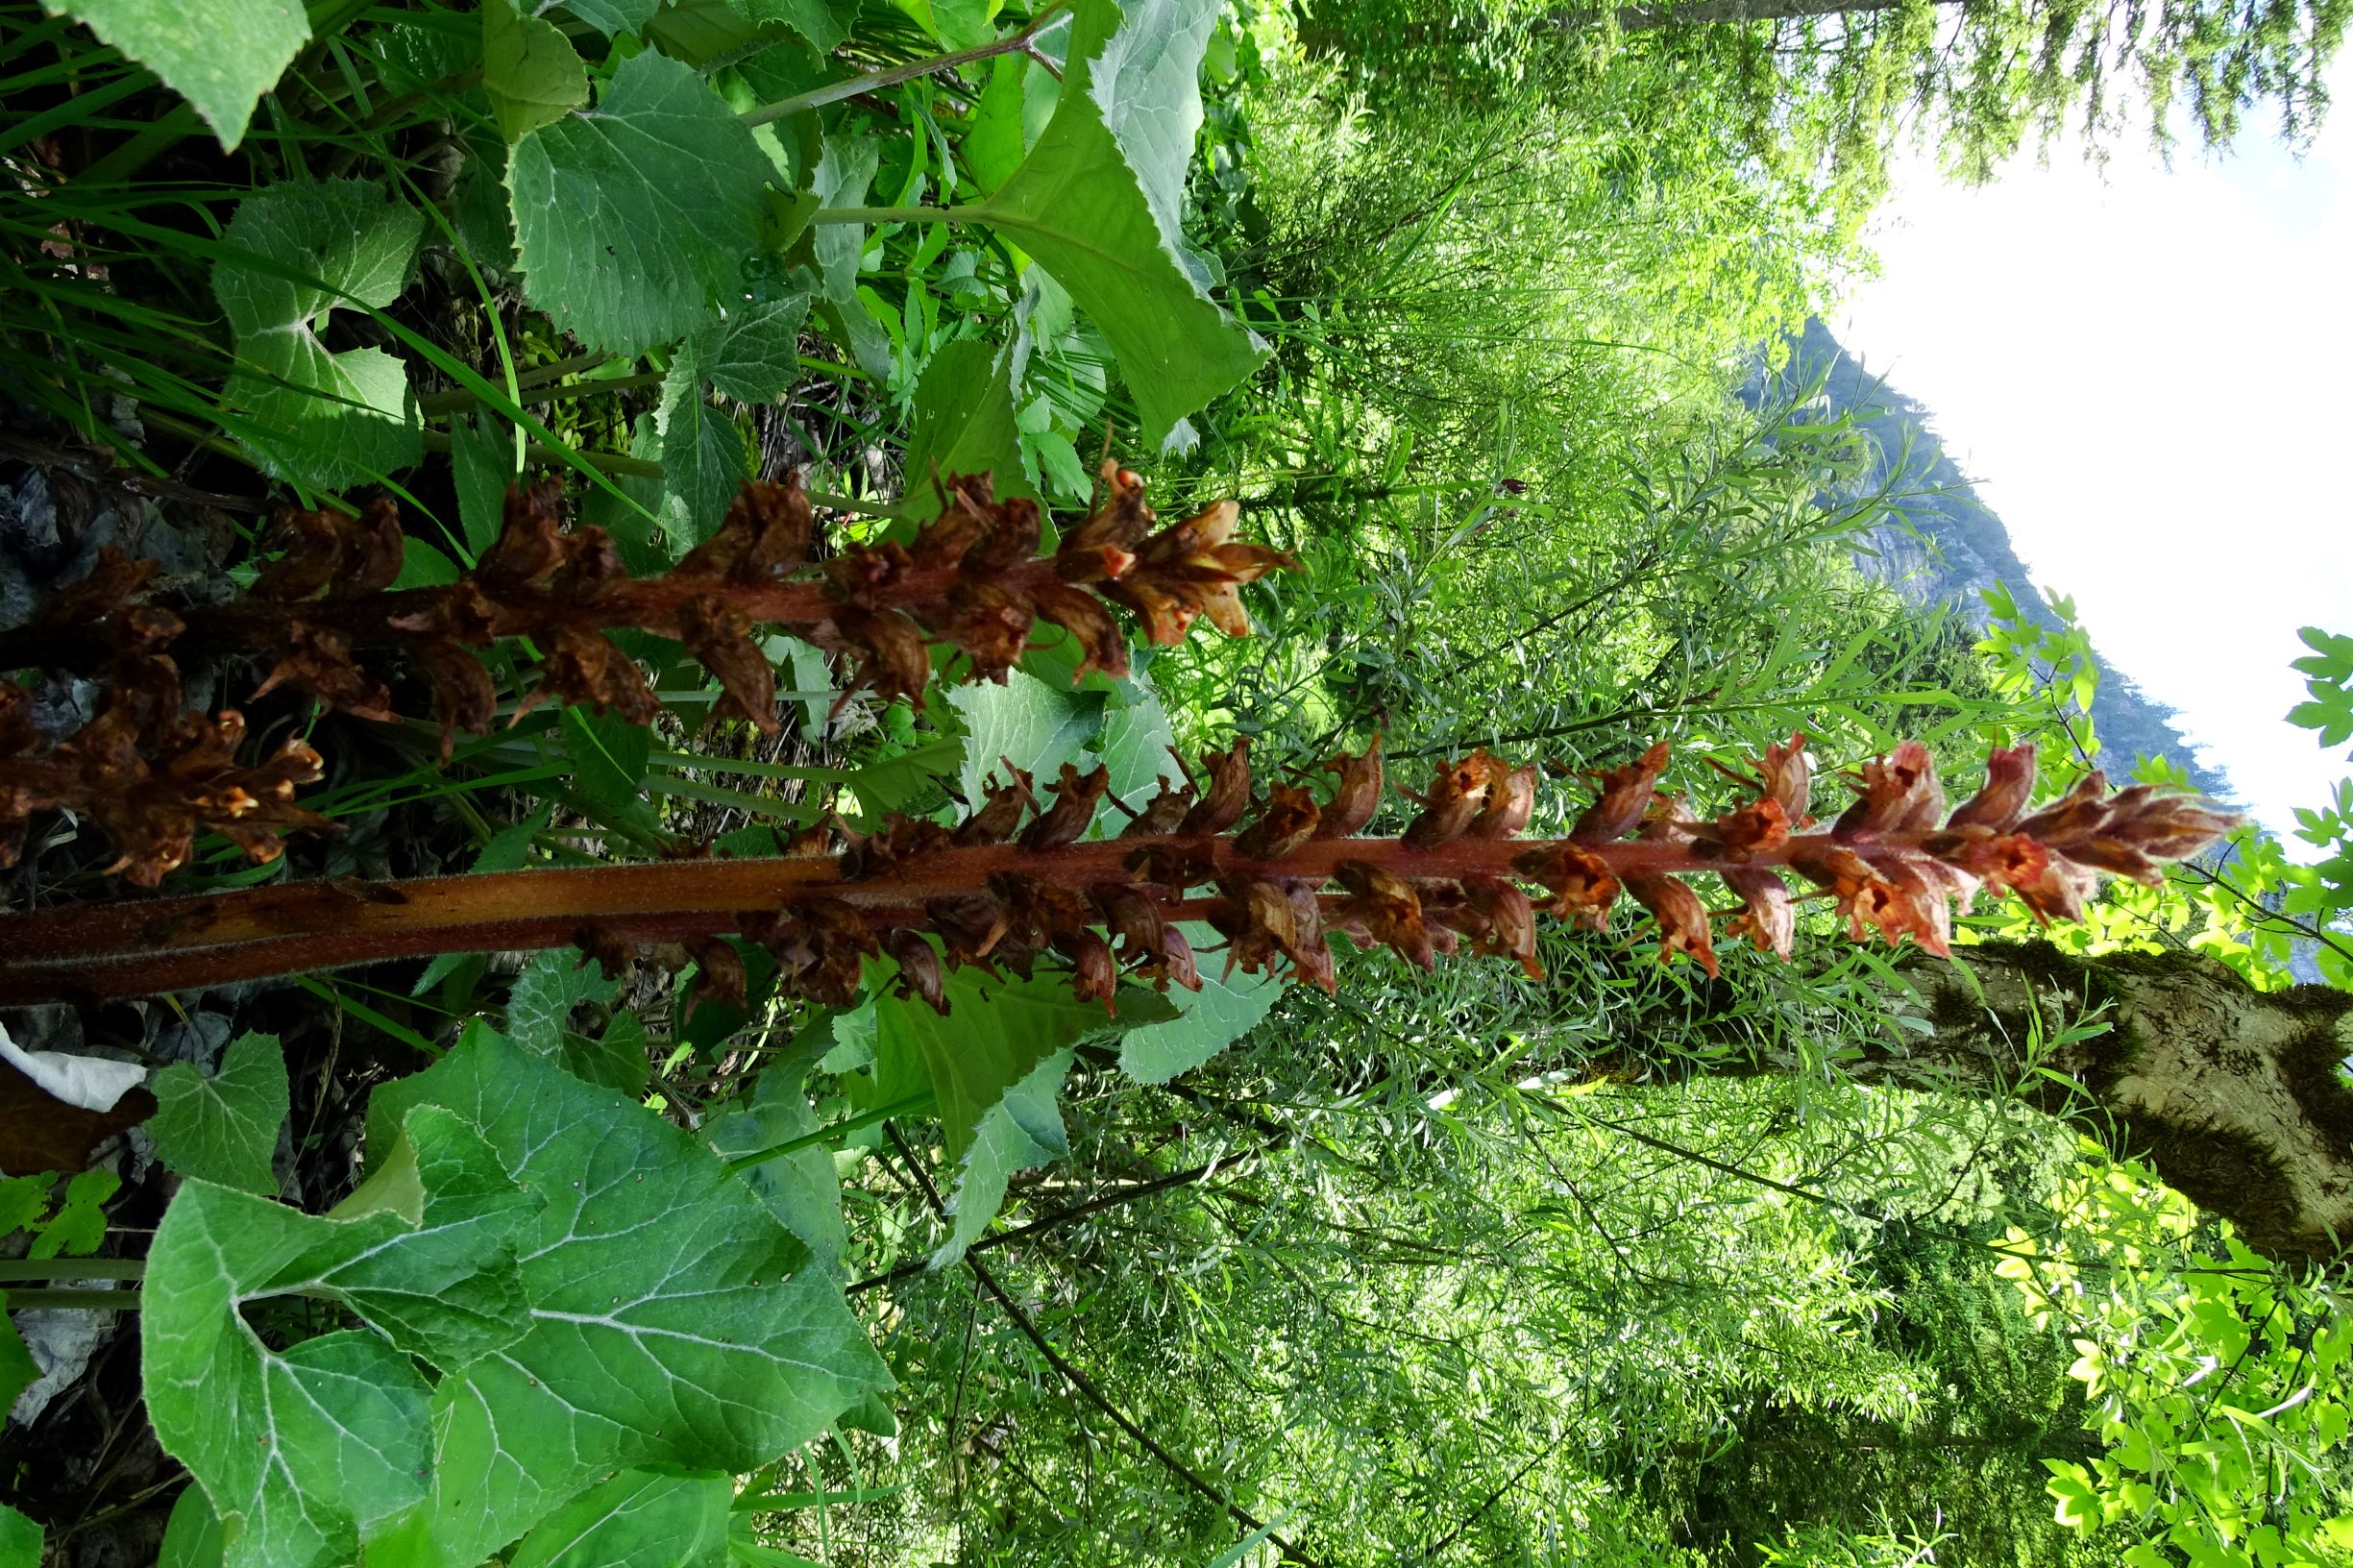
[95, 952]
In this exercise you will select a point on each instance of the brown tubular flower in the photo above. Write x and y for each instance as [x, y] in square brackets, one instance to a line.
[1356, 796]
[151, 776]
[1018, 885]
[1624, 795]
[966, 593]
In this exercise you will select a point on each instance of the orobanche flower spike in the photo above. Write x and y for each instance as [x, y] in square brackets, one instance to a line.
[1017, 884]
[323, 618]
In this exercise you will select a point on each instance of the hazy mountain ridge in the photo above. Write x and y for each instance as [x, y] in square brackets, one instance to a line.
[1956, 545]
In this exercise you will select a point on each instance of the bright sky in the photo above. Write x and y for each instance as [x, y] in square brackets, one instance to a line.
[2150, 379]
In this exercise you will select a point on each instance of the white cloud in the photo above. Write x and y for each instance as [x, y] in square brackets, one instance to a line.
[2151, 378]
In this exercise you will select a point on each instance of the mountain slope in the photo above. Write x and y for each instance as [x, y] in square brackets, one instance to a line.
[1950, 544]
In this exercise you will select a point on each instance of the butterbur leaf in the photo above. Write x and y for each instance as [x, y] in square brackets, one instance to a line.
[639, 1519]
[673, 1320]
[530, 72]
[613, 17]
[17, 1369]
[704, 462]
[632, 218]
[222, 67]
[1098, 202]
[223, 1128]
[994, 1065]
[1222, 1012]
[302, 1452]
[192, 1538]
[754, 354]
[315, 415]
[800, 1189]
[813, 19]
[964, 424]
[1024, 718]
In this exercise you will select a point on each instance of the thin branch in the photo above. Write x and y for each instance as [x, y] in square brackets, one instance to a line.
[834, 92]
[1079, 1380]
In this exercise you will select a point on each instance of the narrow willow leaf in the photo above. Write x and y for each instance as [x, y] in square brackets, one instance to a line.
[674, 1321]
[636, 1520]
[302, 1452]
[1097, 198]
[223, 1128]
[315, 415]
[222, 67]
[633, 218]
[1037, 727]
[530, 72]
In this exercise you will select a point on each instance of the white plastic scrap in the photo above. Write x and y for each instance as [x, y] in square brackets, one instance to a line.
[93, 1082]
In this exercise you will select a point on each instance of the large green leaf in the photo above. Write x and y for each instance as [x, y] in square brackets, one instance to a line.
[673, 1322]
[609, 756]
[223, 1128]
[633, 218]
[18, 1371]
[1214, 1017]
[813, 19]
[301, 1452]
[957, 24]
[754, 354]
[994, 1065]
[1098, 198]
[1025, 719]
[539, 1015]
[964, 425]
[638, 1519]
[221, 58]
[530, 72]
[800, 1188]
[843, 173]
[1136, 745]
[21, 1540]
[705, 461]
[314, 415]
[192, 1536]
[482, 466]
[614, 16]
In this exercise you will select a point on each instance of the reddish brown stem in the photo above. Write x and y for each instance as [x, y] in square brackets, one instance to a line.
[97, 952]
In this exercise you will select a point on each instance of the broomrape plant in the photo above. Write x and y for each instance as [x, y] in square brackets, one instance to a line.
[1017, 880]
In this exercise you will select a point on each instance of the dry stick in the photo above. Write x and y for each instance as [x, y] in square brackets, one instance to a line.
[1079, 1380]
[100, 951]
